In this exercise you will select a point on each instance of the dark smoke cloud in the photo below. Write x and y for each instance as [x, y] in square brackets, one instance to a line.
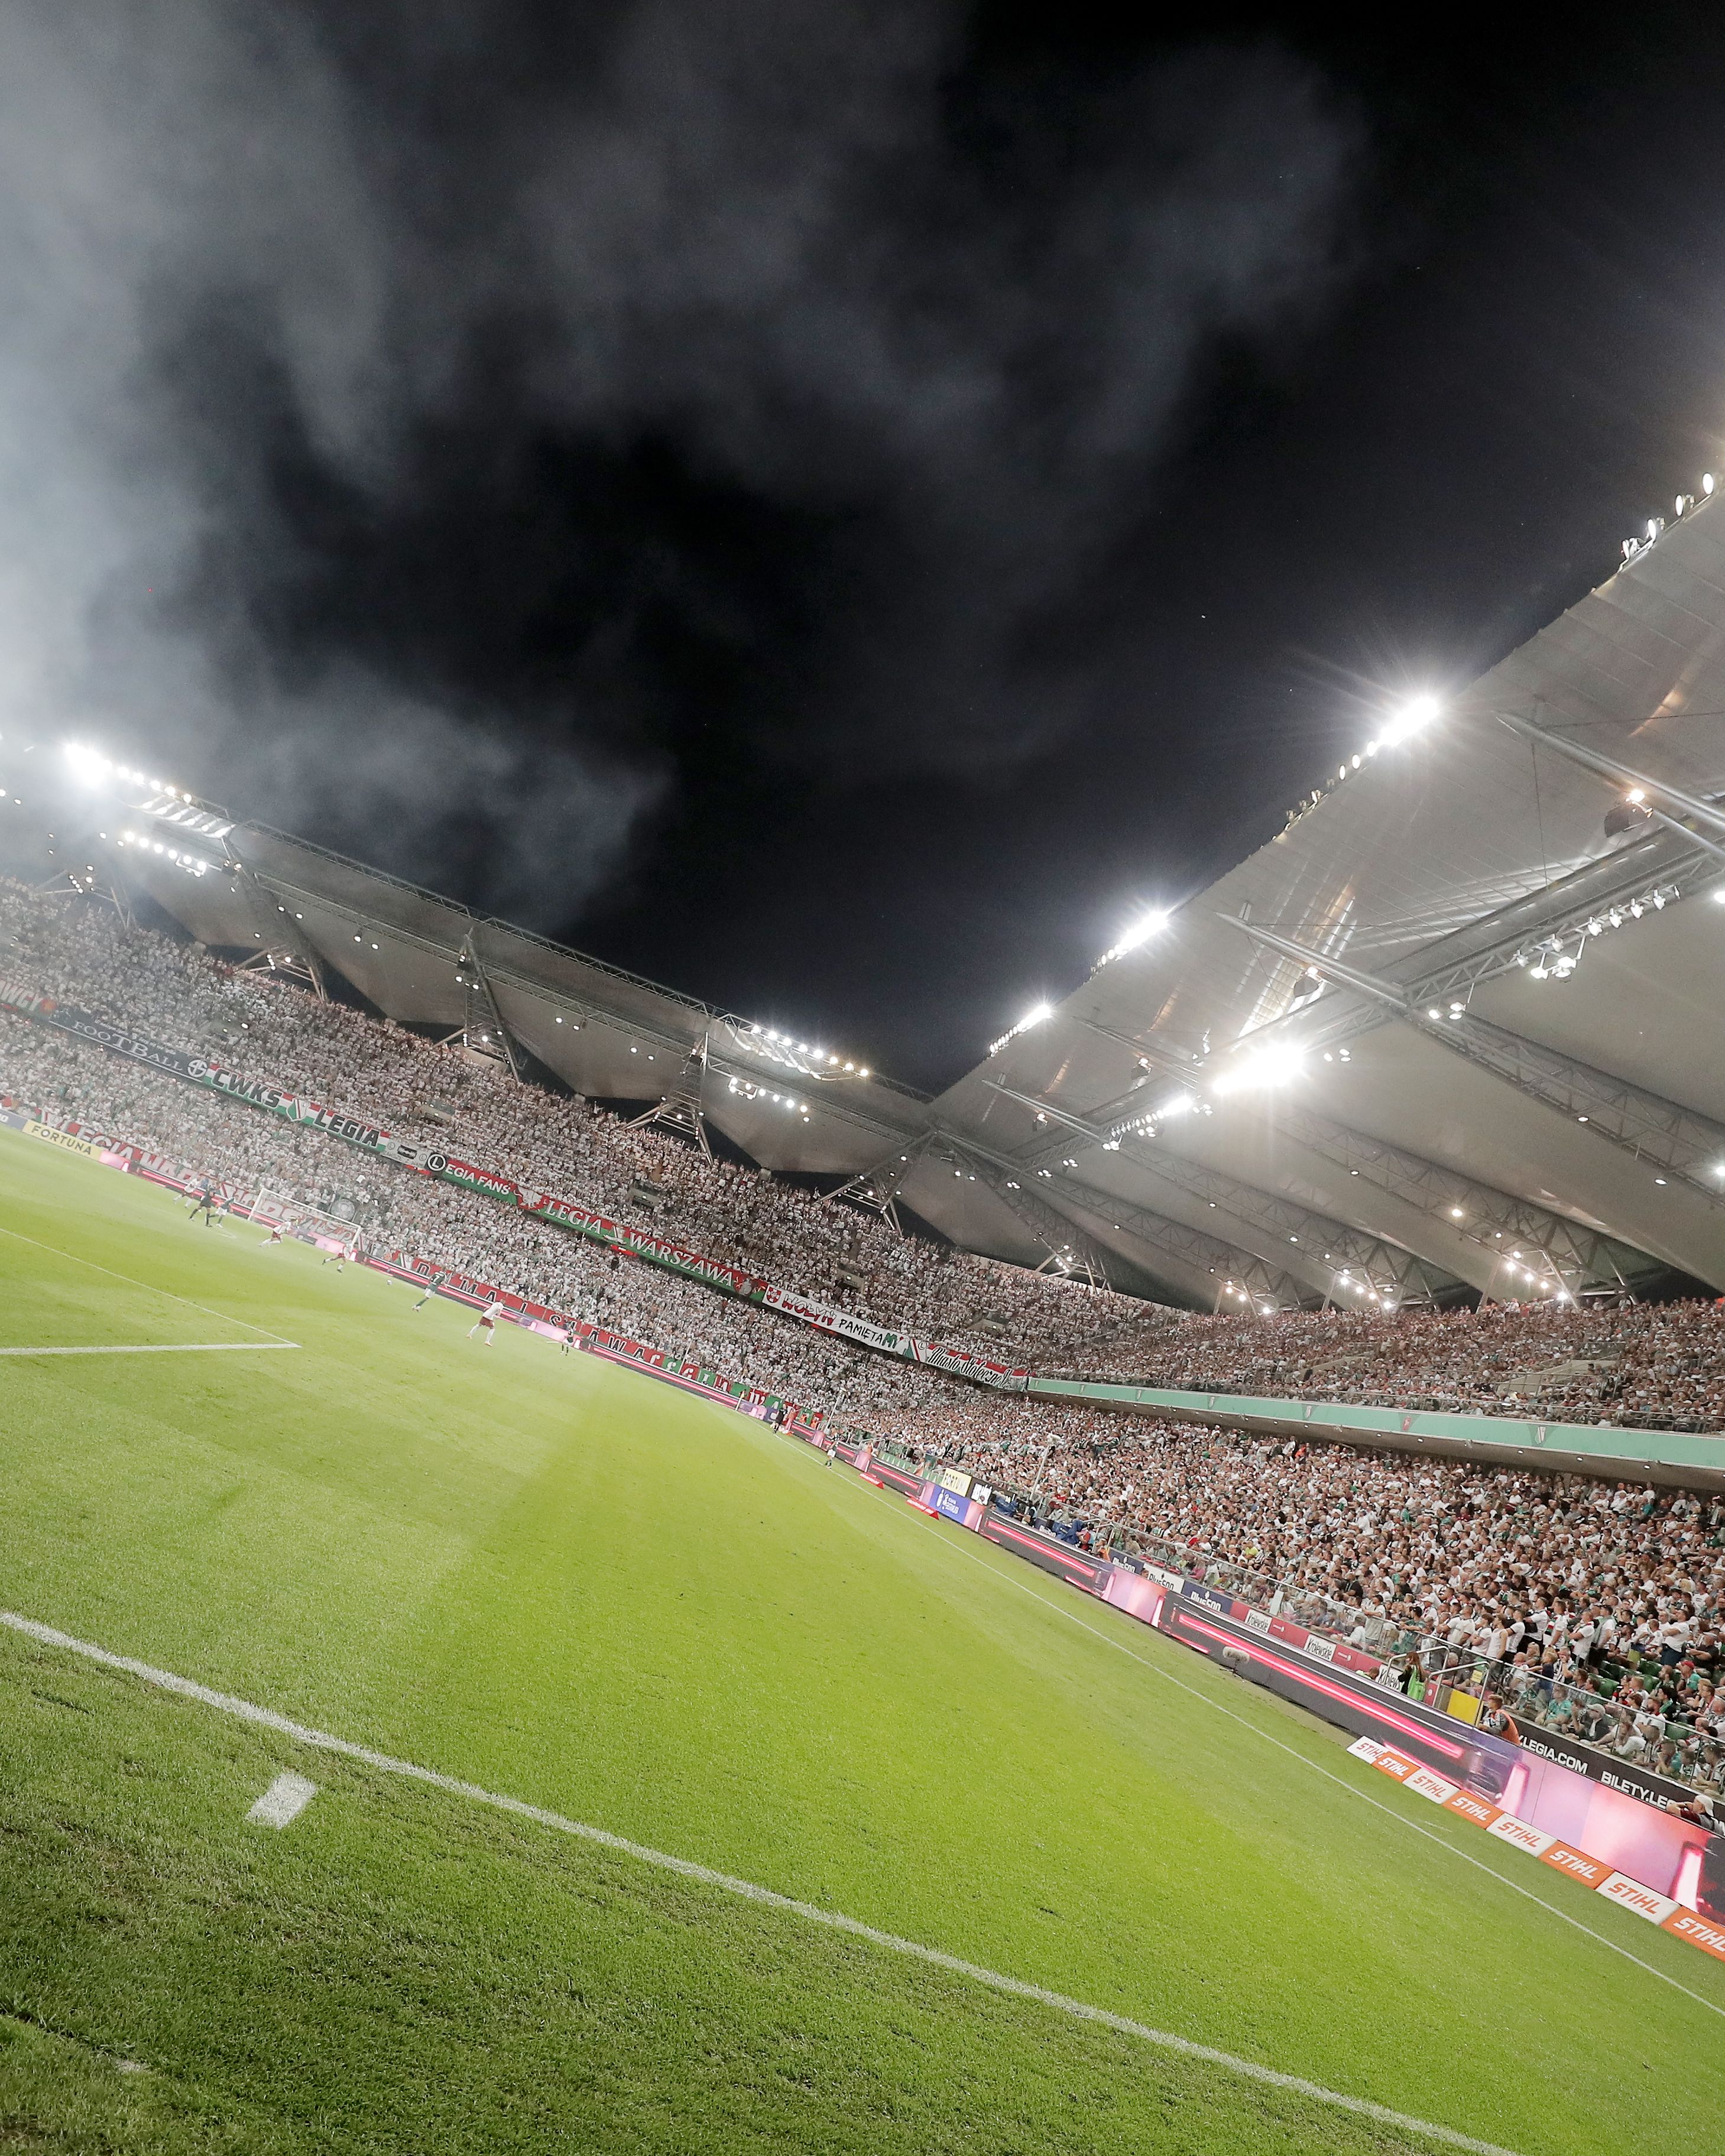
[422, 424]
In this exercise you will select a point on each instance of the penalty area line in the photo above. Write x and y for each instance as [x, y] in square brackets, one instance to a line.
[173, 1348]
[703, 1875]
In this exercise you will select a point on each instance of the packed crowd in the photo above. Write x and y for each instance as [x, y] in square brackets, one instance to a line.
[1638, 1365]
[1590, 1608]
[385, 1075]
[208, 1139]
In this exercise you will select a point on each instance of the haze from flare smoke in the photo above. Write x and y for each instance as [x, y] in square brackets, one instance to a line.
[419, 424]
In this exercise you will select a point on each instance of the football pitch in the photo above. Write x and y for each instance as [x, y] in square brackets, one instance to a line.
[550, 1581]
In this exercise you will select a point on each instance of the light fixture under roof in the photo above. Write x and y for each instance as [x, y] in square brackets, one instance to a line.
[1268, 1066]
[1418, 712]
[1137, 932]
[1038, 1014]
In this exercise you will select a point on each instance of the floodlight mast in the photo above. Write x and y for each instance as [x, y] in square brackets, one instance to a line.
[470, 959]
[682, 1107]
[876, 1189]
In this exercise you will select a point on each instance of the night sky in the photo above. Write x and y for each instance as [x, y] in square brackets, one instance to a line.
[832, 507]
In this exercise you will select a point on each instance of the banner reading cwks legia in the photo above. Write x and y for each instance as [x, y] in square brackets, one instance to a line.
[121, 1039]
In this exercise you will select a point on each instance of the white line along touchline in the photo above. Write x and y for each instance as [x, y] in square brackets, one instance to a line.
[175, 1347]
[222, 1318]
[1013, 1987]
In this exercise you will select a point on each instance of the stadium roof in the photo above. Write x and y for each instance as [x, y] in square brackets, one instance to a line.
[1446, 1023]
[1448, 1031]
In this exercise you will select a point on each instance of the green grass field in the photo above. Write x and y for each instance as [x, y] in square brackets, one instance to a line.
[566, 1583]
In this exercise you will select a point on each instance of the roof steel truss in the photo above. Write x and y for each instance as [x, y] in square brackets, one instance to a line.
[1329, 1251]
[1499, 1222]
[1069, 1246]
[1664, 1133]
[1206, 1255]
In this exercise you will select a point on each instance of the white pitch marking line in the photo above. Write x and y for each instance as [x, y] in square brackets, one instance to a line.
[1013, 1987]
[1377, 1804]
[282, 1802]
[178, 1347]
[18, 1236]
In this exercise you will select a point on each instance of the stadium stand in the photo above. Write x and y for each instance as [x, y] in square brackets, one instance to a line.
[1650, 1365]
[374, 1070]
[1590, 1608]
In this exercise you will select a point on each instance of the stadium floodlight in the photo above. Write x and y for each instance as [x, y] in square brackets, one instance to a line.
[1417, 712]
[88, 766]
[1038, 1014]
[1269, 1066]
[1706, 482]
[1137, 932]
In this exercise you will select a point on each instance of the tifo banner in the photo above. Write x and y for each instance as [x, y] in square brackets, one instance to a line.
[481, 1179]
[645, 1245]
[963, 1364]
[429, 1160]
[887, 1342]
[825, 1319]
